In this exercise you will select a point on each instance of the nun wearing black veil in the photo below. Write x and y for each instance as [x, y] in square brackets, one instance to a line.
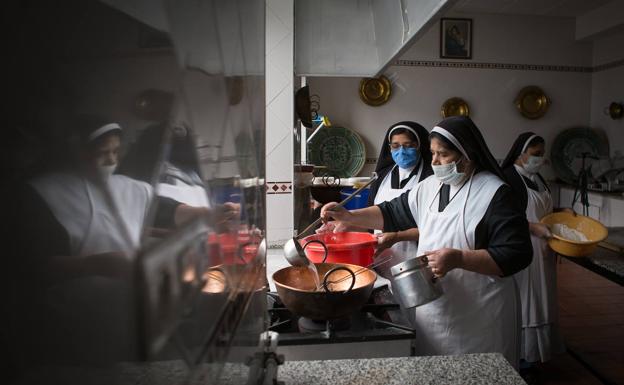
[404, 161]
[474, 237]
[537, 283]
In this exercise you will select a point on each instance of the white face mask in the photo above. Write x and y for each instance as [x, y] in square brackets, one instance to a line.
[533, 164]
[448, 174]
[104, 172]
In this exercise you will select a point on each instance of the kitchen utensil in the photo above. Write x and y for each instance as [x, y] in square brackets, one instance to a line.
[345, 247]
[414, 282]
[340, 149]
[295, 288]
[294, 252]
[532, 102]
[595, 232]
[302, 106]
[325, 284]
[455, 107]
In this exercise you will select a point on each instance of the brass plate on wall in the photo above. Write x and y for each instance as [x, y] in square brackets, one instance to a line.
[375, 91]
[455, 107]
[532, 102]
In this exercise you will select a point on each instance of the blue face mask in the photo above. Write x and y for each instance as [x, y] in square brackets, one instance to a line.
[406, 157]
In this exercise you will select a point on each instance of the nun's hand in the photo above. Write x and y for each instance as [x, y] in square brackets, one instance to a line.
[332, 227]
[444, 260]
[568, 210]
[332, 211]
[540, 230]
[385, 241]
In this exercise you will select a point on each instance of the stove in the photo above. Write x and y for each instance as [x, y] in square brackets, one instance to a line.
[368, 333]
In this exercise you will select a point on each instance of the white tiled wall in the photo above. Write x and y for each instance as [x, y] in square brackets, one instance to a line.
[279, 118]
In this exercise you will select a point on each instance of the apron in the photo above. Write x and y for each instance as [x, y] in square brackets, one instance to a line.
[538, 287]
[89, 319]
[98, 219]
[401, 251]
[477, 313]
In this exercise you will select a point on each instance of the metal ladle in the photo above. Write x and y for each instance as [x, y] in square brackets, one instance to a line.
[294, 253]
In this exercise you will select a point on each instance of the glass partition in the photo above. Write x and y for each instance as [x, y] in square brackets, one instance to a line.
[135, 166]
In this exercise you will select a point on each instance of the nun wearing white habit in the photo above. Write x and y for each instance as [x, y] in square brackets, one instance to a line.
[81, 229]
[537, 283]
[474, 236]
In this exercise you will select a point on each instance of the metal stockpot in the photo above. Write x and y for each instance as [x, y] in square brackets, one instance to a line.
[414, 283]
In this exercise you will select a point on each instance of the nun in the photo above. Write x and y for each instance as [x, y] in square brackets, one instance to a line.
[537, 284]
[474, 237]
[404, 161]
[80, 229]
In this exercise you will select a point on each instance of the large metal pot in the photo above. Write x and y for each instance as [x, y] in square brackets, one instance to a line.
[296, 288]
[414, 282]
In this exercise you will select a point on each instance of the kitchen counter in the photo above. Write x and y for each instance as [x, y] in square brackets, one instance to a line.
[487, 368]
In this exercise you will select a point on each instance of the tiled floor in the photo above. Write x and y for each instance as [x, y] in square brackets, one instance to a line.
[592, 323]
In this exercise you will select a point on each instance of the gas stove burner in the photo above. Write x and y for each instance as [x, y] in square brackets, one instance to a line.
[307, 325]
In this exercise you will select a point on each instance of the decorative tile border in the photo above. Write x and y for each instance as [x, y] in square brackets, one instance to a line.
[279, 187]
[495, 66]
[608, 66]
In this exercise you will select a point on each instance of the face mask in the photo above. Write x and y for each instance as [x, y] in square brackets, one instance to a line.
[533, 165]
[104, 172]
[448, 174]
[405, 157]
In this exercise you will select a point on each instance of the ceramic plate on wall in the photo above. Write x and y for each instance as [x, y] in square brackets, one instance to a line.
[339, 149]
[568, 147]
[375, 91]
[532, 102]
[455, 107]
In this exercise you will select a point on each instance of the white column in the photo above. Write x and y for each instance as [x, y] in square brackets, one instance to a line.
[280, 22]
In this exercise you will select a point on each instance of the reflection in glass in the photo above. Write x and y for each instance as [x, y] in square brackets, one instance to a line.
[137, 160]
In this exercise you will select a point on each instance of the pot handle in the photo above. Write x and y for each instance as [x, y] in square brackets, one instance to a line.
[336, 269]
[322, 244]
[425, 260]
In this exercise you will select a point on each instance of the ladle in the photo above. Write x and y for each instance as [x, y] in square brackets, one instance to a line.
[293, 251]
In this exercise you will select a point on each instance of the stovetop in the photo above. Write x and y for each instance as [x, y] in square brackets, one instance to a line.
[371, 323]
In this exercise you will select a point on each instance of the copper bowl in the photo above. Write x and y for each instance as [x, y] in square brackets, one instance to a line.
[295, 287]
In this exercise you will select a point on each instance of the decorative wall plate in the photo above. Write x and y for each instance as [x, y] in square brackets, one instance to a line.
[568, 147]
[532, 102]
[455, 107]
[339, 149]
[375, 91]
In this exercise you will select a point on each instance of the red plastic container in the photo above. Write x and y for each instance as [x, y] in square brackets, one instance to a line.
[348, 247]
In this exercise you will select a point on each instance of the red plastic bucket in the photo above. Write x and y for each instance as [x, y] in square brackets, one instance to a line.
[349, 247]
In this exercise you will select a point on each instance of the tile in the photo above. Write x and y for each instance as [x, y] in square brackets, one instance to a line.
[284, 10]
[275, 30]
[276, 131]
[282, 56]
[276, 82]
[284, 106]
[279, 162]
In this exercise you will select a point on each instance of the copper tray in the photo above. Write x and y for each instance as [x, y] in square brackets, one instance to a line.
[375, 91]
[455, 107]
[532, 102]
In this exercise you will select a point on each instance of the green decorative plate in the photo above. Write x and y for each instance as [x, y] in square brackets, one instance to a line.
[339, 149]
[568, 147]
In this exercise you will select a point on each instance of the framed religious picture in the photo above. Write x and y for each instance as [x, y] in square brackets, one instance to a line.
[456, 38]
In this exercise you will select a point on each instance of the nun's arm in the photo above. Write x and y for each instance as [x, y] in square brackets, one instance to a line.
[504, 233]
[397, 214]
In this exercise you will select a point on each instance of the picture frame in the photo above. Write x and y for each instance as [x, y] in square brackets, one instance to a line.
[455, 38]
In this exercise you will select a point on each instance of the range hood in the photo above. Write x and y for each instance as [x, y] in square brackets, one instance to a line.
[358, 37]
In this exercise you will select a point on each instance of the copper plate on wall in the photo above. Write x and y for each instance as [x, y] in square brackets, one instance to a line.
[375, 91]
[455, 107]
[532, 102]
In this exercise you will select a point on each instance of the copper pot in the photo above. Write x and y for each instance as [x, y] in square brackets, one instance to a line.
[295, 287]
